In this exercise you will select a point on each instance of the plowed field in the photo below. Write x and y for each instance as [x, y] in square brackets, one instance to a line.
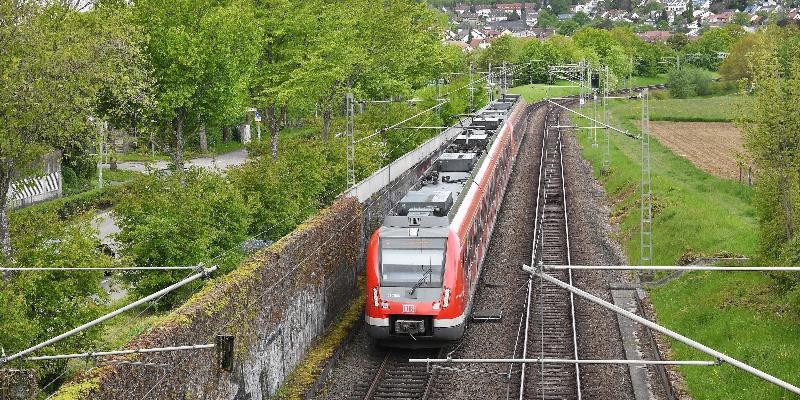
[715, 147]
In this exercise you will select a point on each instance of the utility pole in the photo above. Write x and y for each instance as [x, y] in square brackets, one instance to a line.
[471, 90]
[594, 115]
[258, 125]
[646, 225]
[351, 142]
[100, 150]
[504, 84]
[606, 122]
[489, 84]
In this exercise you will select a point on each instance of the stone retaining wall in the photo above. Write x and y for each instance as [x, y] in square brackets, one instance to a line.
[275, 304]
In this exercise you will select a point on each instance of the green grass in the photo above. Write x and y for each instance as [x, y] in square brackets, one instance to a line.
[142, 157]
[118, 176]
[536, 92]
[740, 314]
[227, 147]
[695, 212]
[698, 109]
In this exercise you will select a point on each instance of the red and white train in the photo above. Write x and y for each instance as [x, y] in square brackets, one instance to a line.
[424, 262]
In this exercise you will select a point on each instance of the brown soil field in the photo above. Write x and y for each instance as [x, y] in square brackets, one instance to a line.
[714, 147]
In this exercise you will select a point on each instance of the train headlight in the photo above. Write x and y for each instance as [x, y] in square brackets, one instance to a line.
[446, 299]
[385, 305]
[437, 305]
[375, 298]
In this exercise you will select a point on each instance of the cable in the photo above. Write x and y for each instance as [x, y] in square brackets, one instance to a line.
[40, 269]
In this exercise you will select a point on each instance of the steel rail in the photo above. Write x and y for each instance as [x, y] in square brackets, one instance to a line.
[558, 361]
[666, 331]
[533, 260]
[192, 278]
[569, 262]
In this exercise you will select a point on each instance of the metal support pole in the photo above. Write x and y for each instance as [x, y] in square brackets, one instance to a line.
[108, 316]
[351, 140]
[606, 121]
[489, 83]
[471, 89]
[594, 111]
[674, 335]
[646, 201]
[100, 149]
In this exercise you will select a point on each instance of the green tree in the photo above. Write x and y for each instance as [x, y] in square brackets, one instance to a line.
[40, 305]
[558, 6]
[504, 49]
[56, 63]
[710, 43]
[567, 28]
[741, 19]
[546, 19]
[378, 53]
[581, 18]
[771, 126]
[678, 41]
[179, 220]
[203, 54]
[737, 65]
[286, 30]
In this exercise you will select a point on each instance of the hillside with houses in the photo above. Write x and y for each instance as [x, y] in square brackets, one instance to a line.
[476, 26]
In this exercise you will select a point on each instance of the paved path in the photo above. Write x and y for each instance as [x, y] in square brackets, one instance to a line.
[220, 163]
[104, 221]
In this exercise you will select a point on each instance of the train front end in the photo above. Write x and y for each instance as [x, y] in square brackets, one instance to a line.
[411, 298]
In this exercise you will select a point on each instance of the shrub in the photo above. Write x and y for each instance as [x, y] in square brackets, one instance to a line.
[39, 305]
[183, 219]
[690, 82]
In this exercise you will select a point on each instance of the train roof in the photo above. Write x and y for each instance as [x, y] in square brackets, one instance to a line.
[434, 200]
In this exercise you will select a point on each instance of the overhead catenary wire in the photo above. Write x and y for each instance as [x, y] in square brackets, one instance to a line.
[388, 128]
[88, 269]
[600, 123]
[96, 321]
[663, 330]
[670, 268]
[121, 352]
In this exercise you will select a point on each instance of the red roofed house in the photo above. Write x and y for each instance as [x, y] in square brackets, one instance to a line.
[655, 36]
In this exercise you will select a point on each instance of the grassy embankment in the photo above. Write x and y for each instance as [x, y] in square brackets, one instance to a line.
[536, 92]
[739, 314]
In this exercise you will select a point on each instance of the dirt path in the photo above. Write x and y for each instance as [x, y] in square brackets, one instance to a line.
[714, 147]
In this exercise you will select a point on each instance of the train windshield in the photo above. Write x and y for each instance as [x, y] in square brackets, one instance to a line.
[412, 262]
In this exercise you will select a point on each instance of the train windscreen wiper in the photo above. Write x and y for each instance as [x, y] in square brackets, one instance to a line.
[427, 275]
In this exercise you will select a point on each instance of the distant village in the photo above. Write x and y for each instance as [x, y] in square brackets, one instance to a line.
[477, 26]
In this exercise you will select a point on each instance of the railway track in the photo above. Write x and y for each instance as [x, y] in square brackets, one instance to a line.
[549, 319]
[397, 379]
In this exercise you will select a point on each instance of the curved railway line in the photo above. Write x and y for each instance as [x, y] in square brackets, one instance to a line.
[533, 225]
